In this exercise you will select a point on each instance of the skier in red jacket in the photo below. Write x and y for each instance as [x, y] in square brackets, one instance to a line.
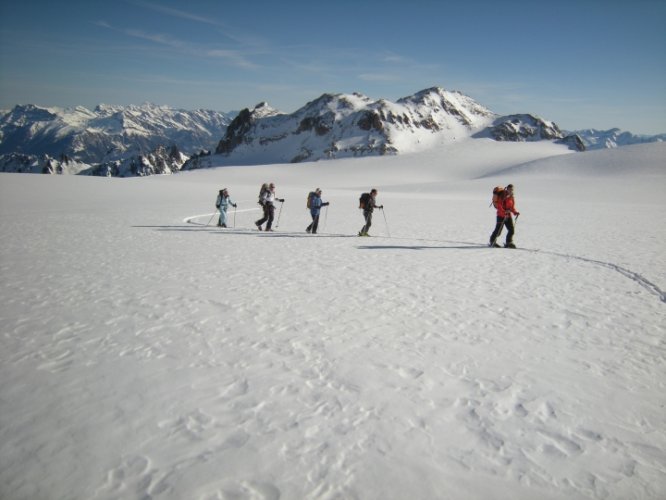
[505, 210]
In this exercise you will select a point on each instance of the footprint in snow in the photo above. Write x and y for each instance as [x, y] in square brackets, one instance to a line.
[133, 470]
[245, 490]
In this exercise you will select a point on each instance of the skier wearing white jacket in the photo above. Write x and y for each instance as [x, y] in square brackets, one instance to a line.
[269, 205]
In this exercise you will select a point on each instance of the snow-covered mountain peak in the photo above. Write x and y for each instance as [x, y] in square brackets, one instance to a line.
[340, 125]
[429, 97]
[23, 114]
[340, 105]
[452, 103]
[263, 110]
[107, 109]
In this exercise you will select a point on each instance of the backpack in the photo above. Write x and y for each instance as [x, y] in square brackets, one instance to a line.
[364, 200]
[498, 195]
[262, 193]
[310, 196]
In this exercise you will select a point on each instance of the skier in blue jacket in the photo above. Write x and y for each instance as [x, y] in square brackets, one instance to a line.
[222, 203]
[315, 209]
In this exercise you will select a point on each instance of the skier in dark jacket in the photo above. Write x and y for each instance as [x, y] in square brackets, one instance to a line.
[505, 210]
[370, 203]
[315, 209]
[263, 194]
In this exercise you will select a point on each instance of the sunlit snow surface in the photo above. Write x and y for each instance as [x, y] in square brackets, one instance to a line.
[145, 354]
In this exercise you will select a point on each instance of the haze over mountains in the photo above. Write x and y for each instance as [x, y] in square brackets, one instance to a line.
[148, 139]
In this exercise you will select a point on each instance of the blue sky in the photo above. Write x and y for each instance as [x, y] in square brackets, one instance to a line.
[580, 63]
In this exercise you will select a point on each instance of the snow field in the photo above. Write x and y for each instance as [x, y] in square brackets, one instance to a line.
[148, 357]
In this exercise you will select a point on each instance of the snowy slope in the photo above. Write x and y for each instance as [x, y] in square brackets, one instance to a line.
[146, 355]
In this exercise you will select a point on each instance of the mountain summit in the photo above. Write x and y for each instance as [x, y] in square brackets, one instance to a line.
[344, 125]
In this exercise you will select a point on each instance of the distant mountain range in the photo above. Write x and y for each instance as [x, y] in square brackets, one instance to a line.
[148, 139]
[109, 140]
[614, 138]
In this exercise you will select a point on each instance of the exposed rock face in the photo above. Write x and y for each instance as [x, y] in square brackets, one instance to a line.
[160, 161]
[370, 120]
[235, 132]
[40, 164]
[529, 128]
[519, 128]
[574, 142]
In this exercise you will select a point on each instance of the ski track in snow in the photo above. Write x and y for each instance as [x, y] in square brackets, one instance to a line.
[636, 277]
[641, 280]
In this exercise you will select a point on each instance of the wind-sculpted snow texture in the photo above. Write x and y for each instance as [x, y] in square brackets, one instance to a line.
[145, 354]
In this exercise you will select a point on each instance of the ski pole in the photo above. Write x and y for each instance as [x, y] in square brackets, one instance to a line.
[234, 217]
[277, 224]
[211, 218]
[325, 216]
[386, 222]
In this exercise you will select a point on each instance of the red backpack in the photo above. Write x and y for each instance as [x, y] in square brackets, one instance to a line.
[498, 195]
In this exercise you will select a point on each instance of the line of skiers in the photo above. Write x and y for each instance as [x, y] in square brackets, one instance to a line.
[503, 201]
